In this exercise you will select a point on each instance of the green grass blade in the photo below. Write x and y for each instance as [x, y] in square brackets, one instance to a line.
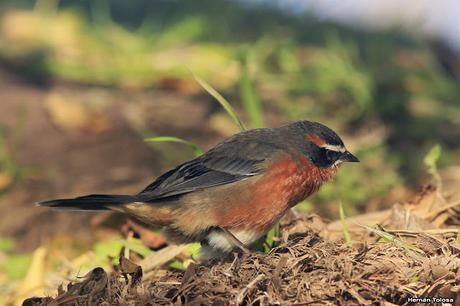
[137, 246]
[195, 149]
[223, 102]
[192, 250]
[249, 97]
[432, 157]
[345, 230]
[431, 161]
[388, 237]
[269, 240]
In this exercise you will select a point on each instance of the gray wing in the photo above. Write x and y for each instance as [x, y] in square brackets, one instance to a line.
[225, 164]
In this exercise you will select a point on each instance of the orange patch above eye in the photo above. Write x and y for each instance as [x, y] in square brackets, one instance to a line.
[315, 139]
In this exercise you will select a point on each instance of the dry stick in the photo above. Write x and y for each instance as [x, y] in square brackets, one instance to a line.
[168, 283]
[235, 258]
[358, 297]
[279, 268]
[161, 257]
[240, 297]
[333, 227]
[427, 231]
[437, 284]
[411, 291]
[128, 239]
[380, 216]
[431, 235]
[442, 209]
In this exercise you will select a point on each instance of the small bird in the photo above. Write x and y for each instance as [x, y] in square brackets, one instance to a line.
[235, 192]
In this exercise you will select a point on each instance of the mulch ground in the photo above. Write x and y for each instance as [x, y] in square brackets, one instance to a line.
[304, 269]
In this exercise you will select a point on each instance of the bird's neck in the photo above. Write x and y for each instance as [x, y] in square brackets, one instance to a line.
[313, 178]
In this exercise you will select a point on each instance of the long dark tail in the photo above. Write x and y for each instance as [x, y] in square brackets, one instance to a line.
[89, 202]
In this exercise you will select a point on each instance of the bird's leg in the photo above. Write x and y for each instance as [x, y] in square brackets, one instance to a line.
[235, 241]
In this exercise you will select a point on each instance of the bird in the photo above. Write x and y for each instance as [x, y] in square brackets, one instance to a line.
[234, 193]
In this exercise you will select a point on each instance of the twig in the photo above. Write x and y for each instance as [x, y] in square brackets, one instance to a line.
[235, 258]
[240, 297]
[427, 231]
[168, 283]
[279, 268]
[358, 297]
[442, 209]
[161, 257]
[128, 239]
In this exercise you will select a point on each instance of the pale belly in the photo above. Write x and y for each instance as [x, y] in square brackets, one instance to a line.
[221, 241]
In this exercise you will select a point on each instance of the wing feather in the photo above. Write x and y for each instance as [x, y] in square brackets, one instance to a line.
[199, 174]
[238, 158]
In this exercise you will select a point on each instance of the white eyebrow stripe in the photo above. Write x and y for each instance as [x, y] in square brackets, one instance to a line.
[335, 148]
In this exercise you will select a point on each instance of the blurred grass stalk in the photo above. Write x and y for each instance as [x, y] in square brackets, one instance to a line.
[195, 149]
[387, 237]
[222, 101]
[431, 162]
[248, 94]
[343, 220]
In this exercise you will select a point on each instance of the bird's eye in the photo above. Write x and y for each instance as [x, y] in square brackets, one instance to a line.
[332, 155]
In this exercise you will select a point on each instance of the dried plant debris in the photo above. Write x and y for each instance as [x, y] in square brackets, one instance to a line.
[305, 269]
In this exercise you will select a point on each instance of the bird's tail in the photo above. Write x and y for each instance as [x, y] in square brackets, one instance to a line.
[93, 202]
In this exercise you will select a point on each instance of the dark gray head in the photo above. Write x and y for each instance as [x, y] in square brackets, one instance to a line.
[319, 143]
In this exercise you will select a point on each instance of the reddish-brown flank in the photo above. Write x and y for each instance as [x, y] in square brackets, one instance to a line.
[254, 204]
[285, 183]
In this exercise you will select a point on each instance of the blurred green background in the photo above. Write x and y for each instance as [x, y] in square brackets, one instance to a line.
[83, 83]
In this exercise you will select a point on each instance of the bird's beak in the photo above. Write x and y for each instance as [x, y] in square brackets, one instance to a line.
[348, 157]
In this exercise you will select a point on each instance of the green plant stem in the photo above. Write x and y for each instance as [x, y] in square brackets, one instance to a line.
[249, 97]
[223, 102]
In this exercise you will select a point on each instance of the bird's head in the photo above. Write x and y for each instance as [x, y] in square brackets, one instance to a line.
[320, 144]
